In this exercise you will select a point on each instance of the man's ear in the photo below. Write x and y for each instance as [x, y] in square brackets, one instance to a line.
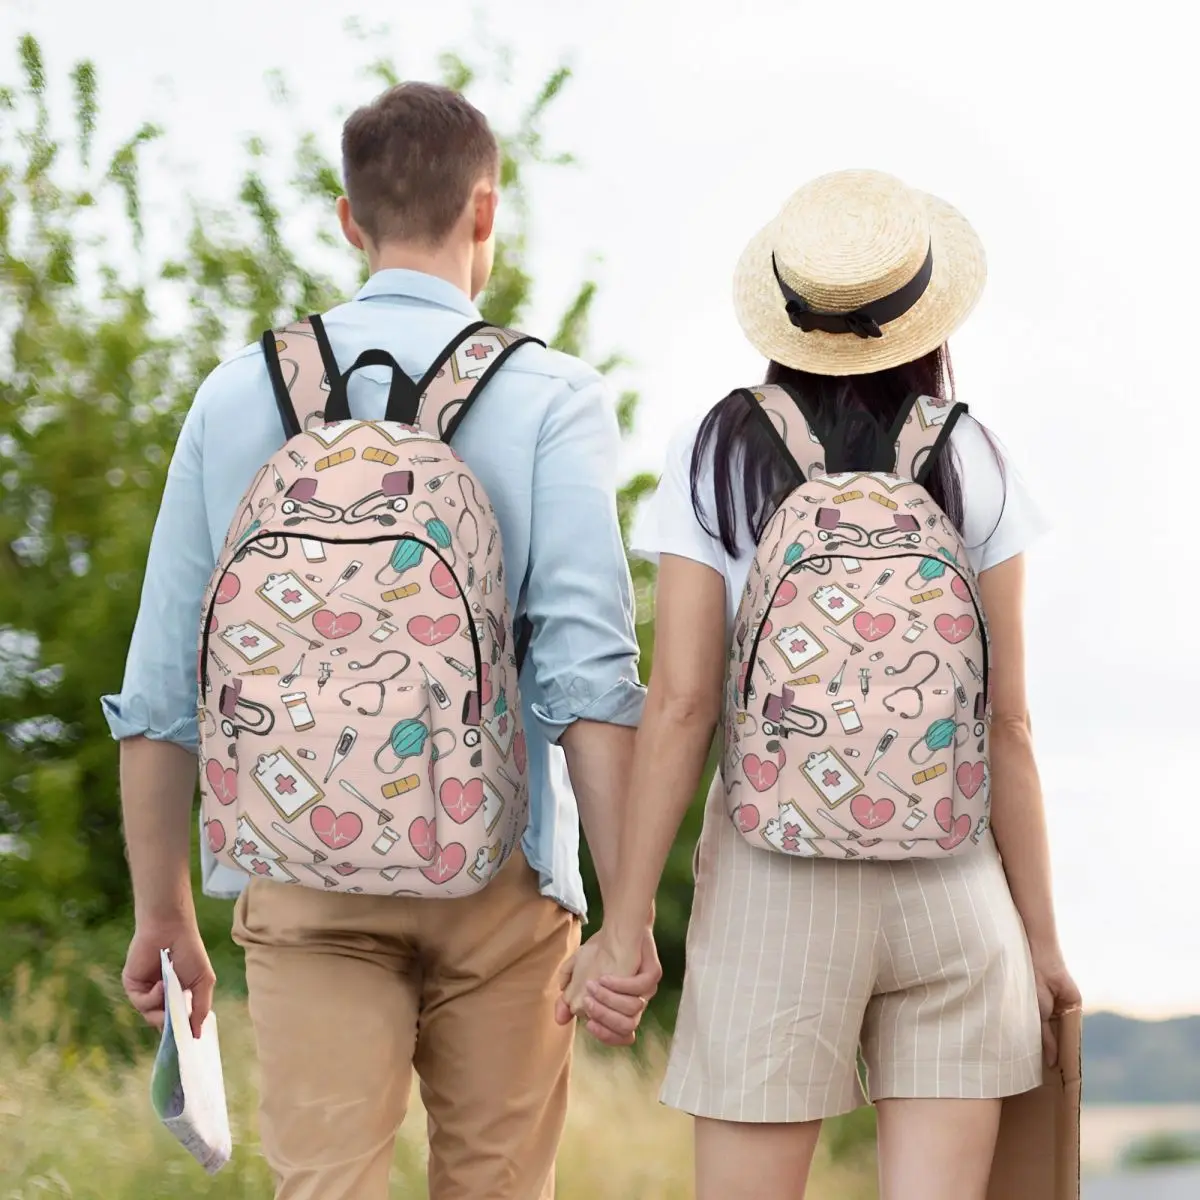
[350, 229]
[486, 197]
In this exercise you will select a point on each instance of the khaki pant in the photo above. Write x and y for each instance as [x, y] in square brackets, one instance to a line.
[348, 993]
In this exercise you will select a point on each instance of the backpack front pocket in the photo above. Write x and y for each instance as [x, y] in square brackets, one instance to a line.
[317, 780]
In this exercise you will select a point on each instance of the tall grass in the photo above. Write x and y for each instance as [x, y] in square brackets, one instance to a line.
[77, 1123]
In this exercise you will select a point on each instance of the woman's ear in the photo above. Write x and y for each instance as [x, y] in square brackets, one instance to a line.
[350, 229]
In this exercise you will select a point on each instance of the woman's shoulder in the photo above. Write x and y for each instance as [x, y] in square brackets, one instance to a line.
[1001, 518]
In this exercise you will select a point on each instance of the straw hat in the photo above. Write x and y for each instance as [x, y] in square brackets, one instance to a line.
[857, 273]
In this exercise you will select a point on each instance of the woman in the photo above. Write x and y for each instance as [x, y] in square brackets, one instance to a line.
[936, 968]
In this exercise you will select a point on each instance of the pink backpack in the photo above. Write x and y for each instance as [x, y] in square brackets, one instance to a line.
[360, 723]
[856, 713]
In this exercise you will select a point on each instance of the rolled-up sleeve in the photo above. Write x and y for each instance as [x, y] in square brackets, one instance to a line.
[158, 694]
[579, 596]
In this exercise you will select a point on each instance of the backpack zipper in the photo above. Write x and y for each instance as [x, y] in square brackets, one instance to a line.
[804, 562]
[328, 541]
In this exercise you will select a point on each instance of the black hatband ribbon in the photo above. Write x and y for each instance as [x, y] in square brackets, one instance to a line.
[865, 322]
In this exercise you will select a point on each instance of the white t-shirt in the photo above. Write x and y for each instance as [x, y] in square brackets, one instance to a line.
[1000, 518]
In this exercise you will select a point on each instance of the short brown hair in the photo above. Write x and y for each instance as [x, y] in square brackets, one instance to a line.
[410, 159]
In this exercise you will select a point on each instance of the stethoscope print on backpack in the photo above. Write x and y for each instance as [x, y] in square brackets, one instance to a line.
[832, 530]
[782, 717]
[890, 701]
[348, 695]
[300, 504]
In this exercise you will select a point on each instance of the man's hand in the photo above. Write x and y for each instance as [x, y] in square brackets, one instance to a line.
[142, 977]
[609, 986]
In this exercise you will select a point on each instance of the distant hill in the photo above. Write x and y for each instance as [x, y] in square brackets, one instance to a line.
[1140, 1062]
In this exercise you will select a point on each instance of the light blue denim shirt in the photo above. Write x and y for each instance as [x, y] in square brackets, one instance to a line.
[543, 440]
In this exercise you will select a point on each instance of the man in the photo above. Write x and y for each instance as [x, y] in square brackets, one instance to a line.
[348, 993]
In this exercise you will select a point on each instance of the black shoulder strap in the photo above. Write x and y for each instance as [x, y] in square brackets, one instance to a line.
[461, 372]
[783, 412]
[922, 429]
[304, 375]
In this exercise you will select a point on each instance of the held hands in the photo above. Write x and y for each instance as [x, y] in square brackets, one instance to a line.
[142, 977]
[1056, 993]
[609, 985]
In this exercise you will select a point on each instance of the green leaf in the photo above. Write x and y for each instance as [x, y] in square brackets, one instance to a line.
[86, 107]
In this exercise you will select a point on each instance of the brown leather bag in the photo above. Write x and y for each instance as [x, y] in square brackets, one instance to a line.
[1037, 1153]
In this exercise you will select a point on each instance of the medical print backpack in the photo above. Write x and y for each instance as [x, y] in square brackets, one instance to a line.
[360, 724]
[856, 703]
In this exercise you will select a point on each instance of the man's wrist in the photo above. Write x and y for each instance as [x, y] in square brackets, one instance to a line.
[166, 911]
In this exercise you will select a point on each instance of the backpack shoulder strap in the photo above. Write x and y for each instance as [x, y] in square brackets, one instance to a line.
[922, 429]
[784, 413]
[460, 373]
[304, 375]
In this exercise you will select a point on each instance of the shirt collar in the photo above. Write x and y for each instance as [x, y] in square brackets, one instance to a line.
[416, 285]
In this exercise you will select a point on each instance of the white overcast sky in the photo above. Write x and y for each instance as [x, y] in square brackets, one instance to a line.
[1066, 135]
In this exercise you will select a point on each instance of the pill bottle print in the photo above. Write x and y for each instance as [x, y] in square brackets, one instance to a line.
[313, 551]
[385, 841]
[915, 630]
[848, 715]
[914, 819]
[298, 711]
[384, 632]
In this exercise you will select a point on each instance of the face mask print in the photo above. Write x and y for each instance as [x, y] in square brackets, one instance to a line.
[407, 740]
[929, 568]
[437, 529]
[406, 555]
[942, 734]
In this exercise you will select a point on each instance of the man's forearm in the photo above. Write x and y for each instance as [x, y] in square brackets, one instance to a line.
[598, 759]
[158, 783]
[1019, 824]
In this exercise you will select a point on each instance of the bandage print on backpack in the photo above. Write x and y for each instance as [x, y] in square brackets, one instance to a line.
[360, 715]
[856, 701]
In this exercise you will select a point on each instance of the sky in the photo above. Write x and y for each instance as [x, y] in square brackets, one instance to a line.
[1063, 134]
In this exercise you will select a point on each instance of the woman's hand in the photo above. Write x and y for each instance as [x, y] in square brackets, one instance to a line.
[1056, 993]
[610, 985]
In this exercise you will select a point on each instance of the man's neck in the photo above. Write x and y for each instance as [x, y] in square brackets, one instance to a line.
[448, 263]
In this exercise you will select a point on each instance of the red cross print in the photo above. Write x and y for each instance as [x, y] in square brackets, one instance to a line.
[798, 646]
[260, 867]
[290, 596]
[249, 641]
[479, 351]
[837, 602]
[831, 778]
[285, 784]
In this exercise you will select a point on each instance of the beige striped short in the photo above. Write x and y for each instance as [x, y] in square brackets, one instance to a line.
[923, 966]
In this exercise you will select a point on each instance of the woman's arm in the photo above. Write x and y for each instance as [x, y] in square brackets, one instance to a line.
[1017, 813]
[683, 704]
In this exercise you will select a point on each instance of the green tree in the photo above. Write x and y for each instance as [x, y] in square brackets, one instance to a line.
[93, 386]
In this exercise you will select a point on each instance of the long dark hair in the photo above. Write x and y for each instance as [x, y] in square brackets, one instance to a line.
[853, 414]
